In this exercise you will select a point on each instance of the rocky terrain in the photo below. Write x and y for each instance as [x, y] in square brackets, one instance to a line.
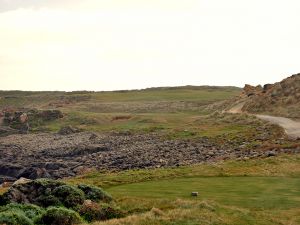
[140, 140]
[55, 156]
[281, 99]
[20, 121]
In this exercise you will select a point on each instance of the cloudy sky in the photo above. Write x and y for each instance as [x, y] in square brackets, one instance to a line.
[128, 44]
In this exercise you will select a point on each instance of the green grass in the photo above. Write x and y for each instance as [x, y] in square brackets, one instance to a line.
[202, 94]
[280, 166]
[261, 191]
[187, 93]
[246, 192]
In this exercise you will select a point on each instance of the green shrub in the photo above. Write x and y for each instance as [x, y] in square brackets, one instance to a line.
[47, 183]
[111, 212]
[70, 196]
[14, 218]
[3, 200]
[48, 200]
[59, 216]
[92, 211]
[30, 211]
[95, 193]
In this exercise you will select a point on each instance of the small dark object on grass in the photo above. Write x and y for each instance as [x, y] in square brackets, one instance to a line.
[195, 194]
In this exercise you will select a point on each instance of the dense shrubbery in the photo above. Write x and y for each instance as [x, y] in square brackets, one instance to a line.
[69, 196]
[94, 193]
[92, 211]
[59, 216]
[14, 218]
[29, 210]
[55, 203]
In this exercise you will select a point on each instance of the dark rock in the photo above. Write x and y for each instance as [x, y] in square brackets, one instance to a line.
[93, 137]
[10, 170]
[34, 173]
[271, 153]
[54, 166]
[67, 130]
[49, 115]
[7, 179]
[4, 131]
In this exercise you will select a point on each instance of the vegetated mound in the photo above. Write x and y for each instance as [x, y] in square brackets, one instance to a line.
[46, 201]
[281, 99]
[20, 121]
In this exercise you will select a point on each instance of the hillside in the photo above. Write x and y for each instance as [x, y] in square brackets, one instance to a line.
[150, 148]
[280, 99]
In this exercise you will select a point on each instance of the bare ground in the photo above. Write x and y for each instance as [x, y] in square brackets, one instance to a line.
[292, 128]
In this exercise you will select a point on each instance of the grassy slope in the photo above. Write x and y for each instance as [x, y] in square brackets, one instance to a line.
[261, 191]
[168, 109]
[269, 178]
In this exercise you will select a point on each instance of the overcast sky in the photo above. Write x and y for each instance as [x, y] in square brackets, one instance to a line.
[128, 44]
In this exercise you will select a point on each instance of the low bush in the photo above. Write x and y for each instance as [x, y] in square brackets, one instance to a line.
[70, 196]
[14, 218]
[92, 211]
[112, 212]
[55, 203]
[30, 211]
[48, 200]
[59, 216]
[94, 193]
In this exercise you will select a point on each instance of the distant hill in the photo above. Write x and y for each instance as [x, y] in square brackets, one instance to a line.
[145, 98]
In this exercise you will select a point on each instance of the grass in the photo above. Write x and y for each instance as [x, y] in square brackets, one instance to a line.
[207, 212]
[246, 192]
[281, 166]
[202, 94]
[187, 93]
[169, 110]
[258, 191]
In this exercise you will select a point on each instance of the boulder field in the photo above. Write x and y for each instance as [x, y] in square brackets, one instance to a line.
[47, 155]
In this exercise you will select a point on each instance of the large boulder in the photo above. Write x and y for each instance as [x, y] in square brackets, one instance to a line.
[68, 130]
[34, 173]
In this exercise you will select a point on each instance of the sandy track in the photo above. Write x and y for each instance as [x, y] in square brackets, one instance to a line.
[292, 128]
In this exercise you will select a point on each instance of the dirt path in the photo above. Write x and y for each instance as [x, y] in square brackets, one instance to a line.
[292, 128]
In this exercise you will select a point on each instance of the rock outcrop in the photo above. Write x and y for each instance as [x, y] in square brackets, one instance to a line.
[281, 99]
[22, 120]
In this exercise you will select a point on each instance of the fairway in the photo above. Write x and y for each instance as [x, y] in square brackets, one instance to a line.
[248, 192]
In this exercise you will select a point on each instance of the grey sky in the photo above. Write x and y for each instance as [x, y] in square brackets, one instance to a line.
[125, 44]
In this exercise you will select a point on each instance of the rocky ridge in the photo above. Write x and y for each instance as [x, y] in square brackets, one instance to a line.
[281, 99]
